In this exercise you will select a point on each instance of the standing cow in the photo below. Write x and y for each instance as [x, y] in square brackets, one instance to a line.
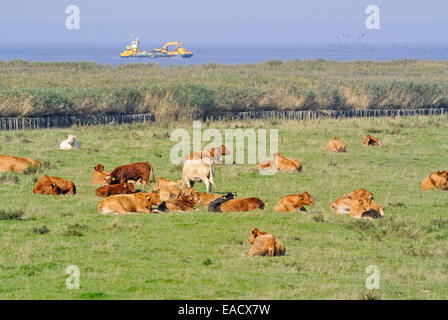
[199, 170]
[134, 171]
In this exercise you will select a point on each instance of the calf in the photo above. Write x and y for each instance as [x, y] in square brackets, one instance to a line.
[106, 191]
[99, 175]
[294, 202]
[17, 164]
[184, 203]
[280, 163]
[342, 204]
[335, 145]
[370, 141]
[54, 186]
[436, 180]
[70, 143]
[358, 204]
[127, 203]
[265, 244]
[168, 189]
[236, 205]
[198, 170]
[214, 154]
[134, 171]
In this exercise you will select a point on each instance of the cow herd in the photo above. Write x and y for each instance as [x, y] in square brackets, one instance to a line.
[117, 186]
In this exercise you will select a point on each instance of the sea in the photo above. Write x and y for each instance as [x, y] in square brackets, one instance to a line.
[225, 53]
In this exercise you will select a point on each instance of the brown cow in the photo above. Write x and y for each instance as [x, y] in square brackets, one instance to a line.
[436, 180]
[295, 202]
[370, 141]
[54, 186]
[214, 153]
[17, 164]
[134, 171]
[358, 204]
[206, 198]
[236, 205]
[128, 203]
[184, 203]
[265, 244]
[342, 204]
[168, 189]
[106, 191]
[280, 163]
[99, 175]
[336, 145]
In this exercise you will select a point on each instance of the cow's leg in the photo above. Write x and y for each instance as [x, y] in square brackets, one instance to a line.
[207, 185]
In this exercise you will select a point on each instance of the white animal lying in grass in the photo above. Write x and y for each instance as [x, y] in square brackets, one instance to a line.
[70, 143]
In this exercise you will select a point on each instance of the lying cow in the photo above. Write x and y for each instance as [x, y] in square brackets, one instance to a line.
[184, 203]
[168, 189]
[280, 163]
[236, 205]
[436, 180]
[358, 204]
[335, 145]
[134, 171]
[70, 143]
[17, 164]
[198, 170]
[106, 191]
[54, 186]
[265, 244]
[214, 153]
[204, 199]
[99, 175]
[128, 203]
[370, 141]
[295, 202]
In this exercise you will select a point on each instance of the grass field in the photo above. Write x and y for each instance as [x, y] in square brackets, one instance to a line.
[81, 88]
[201, 255]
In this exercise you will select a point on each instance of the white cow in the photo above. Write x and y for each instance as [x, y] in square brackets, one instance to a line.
[70, 143]
[199, 170]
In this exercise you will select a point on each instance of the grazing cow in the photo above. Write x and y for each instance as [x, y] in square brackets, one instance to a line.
[214, 153]
[106, 191]
[436, 180]
[295, 202]
[235, 205]
[280, 163]
[134, 171]
[17, 164]
[54, 186]
[336, 145]
[358, 204]
[198, 170]
[184, 203]
[265, 244]
[168, 189]
[70, 143]
[370, 141]
[127, 203]
[99, 175]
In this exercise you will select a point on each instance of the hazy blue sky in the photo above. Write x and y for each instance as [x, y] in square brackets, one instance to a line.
[225, 21]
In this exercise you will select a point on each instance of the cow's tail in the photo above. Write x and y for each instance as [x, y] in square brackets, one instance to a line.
[162, 207]
[152, 167]
[215, 205]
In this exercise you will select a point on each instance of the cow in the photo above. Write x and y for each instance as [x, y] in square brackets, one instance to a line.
[134, 171]
[168, 189]
[184, 203]
[54, 186]
[335, 145]
[342, 204]
[70, 143]
[236, 205]
[370, 141]
[436, 180]
[280, 163]
[358, 204]
[198, 170]
[214, 153]
[295, 202]
[204, 199]
[99, 175]
[128, 203]
[264, 243]
[106, 191]
[17, 164]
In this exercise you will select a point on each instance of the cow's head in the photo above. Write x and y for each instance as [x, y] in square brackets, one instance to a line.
[51, 189]
[224, 150]
[253, 235]
[153, 198]
[110, 180]
[440, 179]
[129, 187]
[306, 199]
[363, 194]
[99, 167]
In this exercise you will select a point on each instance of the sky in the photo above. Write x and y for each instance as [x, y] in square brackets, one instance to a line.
[225, 21]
